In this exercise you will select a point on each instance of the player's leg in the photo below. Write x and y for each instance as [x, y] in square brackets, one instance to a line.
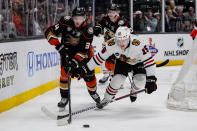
[112, 89]
[108, 69]
[139, 80]
[106, 74]
[120, 74]
[91, 84]
[63, 90]
[90, 78]
[110, 66]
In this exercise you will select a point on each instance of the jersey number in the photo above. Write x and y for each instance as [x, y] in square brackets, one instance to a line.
[145, 50]
[87, 46]
[56, 26]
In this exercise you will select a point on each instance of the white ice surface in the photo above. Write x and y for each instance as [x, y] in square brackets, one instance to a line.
[148, 113]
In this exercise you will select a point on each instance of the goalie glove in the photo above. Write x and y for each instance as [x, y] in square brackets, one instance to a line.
[150, 85]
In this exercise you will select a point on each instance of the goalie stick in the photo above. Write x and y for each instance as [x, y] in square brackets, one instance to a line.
[58, 117]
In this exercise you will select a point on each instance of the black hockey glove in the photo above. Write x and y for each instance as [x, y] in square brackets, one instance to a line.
[63, 51]
[74, 65]
[84, 68]
[97, 30]
[151, 84]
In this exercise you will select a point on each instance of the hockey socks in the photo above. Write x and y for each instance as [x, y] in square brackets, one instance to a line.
[64, 99]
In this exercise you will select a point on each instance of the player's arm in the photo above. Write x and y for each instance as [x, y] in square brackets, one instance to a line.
[99, 27]
[51, 35]
[53, 31]
[149, 65]
[124, 22]
[148, 60]
[97, 60]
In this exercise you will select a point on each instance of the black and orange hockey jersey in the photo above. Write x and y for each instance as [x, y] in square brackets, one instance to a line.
[77, 40]
[111, 27]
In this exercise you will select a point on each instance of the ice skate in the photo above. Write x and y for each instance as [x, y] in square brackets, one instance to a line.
[104, 79]
[62, 104]
[96, 98]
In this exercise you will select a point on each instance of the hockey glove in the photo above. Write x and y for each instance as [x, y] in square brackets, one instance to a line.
[74, 65]
[194, 33]
[63, 53]
[97, 30]
[151, 85]
[84, 68]
[61, 49]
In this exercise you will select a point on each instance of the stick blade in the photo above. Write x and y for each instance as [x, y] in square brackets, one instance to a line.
[48, 113]
[62, 122]
[163, 63]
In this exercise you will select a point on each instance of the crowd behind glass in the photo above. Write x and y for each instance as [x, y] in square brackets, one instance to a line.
[30, 18]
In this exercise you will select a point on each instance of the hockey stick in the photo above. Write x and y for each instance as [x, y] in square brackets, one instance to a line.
[69, 99]
[68, 68]
[163, 63]
[58, 117]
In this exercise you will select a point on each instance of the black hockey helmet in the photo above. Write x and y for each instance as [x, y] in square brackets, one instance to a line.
[78, 11]
[113, 7]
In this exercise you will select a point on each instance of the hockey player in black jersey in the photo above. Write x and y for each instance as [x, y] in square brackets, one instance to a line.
[110, 22]
[75, 45]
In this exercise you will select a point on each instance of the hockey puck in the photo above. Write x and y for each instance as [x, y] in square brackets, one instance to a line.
[86, 126]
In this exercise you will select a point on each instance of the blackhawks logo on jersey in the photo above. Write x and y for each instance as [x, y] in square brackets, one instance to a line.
[127, 59]
[110, 42]
[136, 42]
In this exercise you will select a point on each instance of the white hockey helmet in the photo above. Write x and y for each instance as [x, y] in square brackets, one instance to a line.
[122, 33]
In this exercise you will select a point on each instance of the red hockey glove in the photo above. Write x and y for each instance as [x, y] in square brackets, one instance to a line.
[194, 32]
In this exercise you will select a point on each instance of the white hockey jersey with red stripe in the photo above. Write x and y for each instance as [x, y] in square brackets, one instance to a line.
[135, 53]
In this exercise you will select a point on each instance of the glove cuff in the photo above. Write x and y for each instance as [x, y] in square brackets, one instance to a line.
[53, 41]
[151, 79]
[59, 47]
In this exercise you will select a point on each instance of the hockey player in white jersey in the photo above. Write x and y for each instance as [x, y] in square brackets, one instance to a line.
[131, 55]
